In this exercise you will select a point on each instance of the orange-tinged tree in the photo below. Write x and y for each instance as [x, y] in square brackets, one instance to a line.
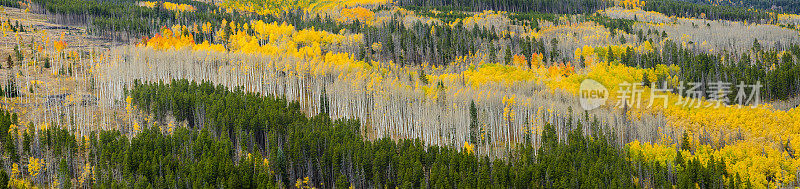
[60, 45]
[360, 13]
[519, 61]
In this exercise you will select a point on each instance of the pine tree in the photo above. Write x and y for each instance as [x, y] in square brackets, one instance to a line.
[3, 179]
[554, 52]
[473, 123]
[18, 53]
[423, 77]
[508, 56]
[610, 56]
[685, 142]
[46, 63]
[64, 172]
[756, 46]
[324, 107]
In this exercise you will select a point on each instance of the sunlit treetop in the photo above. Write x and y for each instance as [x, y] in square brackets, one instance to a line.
[630, 4]
[169, 6]
[276, 7]
[358, 13]
[178, 7]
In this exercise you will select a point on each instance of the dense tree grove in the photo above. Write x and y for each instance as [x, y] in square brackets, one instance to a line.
[780, 80]
[225, 147]
[685, 9]
[442, 44]
[106, 15]
[778, 5]
[613, 24]
[548, 6]
[134, 21]
[418, 44]
[119, 16]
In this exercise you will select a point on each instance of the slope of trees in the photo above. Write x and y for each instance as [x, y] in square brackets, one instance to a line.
[231, 134]
[107, 15]
[546, 6]
[122, 16]
[684, 9]
[790, 6]
[777, 72]
[320, 152]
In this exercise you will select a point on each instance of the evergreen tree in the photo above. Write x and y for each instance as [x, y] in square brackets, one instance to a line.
[473, 123]
[18, 53]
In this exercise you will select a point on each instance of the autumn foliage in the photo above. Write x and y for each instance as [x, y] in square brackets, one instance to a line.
[258, 84]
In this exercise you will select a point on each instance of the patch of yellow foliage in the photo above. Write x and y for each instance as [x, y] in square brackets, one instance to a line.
[756, 157]
[469, 148]
[34, 166]
[630, 4]
[358, 13]
[177, 7]
[276, 7]
[268, 38]
[170, 39]
[751, 160]
[148, 4]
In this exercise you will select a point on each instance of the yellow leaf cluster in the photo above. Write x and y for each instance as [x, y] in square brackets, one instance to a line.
[631, 4]
[519, 61]
[311, 36]
[178, 7]
[34, 166]
[277, 7]
[536, 60]
[14, 170]
[508, 111]
[169, 6]
[469, 148]
[303, 183]
[170, 38]
[60, 45]
[496, 73]
[148, 4]
[360, 13]
[86, 175]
